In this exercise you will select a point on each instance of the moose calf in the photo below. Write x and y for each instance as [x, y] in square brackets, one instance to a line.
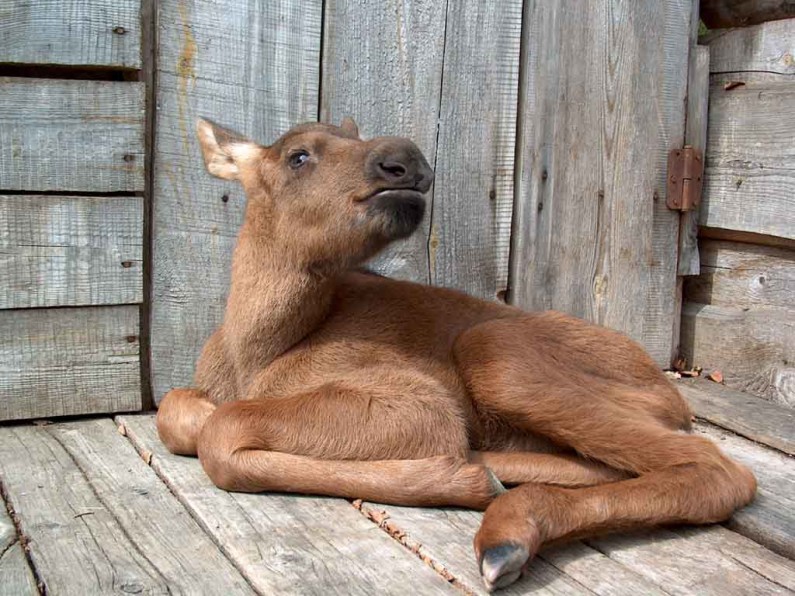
[326, 379]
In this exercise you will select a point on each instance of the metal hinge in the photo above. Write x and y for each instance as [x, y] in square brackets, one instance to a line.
[685, 178]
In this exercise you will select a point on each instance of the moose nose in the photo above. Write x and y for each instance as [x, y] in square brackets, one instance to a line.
[399, 163]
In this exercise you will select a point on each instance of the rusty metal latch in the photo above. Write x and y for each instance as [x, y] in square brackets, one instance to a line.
[685, 178]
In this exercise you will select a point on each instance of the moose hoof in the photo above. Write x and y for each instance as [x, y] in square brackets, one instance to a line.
[502, 565]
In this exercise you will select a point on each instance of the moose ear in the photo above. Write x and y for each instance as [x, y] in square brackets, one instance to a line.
[223, 149]
[349, 126]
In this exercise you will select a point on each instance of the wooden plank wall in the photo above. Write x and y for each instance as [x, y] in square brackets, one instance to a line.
[739, 317]
[72, 180]
[593, 235]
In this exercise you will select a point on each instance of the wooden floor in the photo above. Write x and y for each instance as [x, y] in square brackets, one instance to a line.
[97, 506]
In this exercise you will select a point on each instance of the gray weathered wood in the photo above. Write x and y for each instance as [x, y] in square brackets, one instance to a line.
[593, 235]
[744, 275]
[16, 578]
[153, 520]
[754, 348]
[66, 361]
[288, 543]
[70, 251]
[744, 414]
[71, 135]
[71, 32]
[76, 544]
[382, 65]
[445, 536]
[473, 196]
[767, 48]
[695, 136]
[739, 13]
[254, 67]
[770, 519]
[749, 183]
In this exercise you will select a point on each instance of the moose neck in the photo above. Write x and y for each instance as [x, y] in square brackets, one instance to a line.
[274, 302]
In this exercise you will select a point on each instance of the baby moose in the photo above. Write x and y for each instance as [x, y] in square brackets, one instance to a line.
[326, 379]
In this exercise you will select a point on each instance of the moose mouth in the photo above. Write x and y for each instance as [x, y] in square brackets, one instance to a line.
[395, 194]
[400, 210]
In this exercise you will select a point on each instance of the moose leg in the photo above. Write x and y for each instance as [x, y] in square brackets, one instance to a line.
[396, 441]
[514, 467]
[180, 418]
[538, 387]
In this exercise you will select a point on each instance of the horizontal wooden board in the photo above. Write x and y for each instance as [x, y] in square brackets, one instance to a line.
[16, 576]
[70, 251]
[770, 519]
[743, 275]
[66, 361]
[98, 521]
[758, 420]
[289, 543]
[753, 348]
[767, 47]
[71, 32]
[749, 183]
[71, 135]
[248, 65]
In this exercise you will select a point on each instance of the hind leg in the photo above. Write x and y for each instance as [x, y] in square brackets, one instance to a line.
[518, 369]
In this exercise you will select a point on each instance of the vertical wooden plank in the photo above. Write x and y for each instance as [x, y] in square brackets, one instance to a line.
[473, 196]
[382, 65]
[253, 66]
[603, 103]
[71, 32]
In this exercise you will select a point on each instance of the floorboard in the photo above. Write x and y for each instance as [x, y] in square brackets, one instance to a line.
[16, 576]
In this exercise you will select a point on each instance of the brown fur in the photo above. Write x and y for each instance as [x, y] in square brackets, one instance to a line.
[327, 380]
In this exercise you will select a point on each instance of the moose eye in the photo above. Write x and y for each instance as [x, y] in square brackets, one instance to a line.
[298, 159]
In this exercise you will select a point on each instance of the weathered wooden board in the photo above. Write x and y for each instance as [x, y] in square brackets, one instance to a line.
[744, 275]
[593, 235]
[767, 48]
[71, 32]
[66, 361]
[695, 136]
[67, 135]
[754, 348]
[741, 413]
[749, 183]
[770, 519]
[288, 543]
[15, 575]
[472, 206]
[382, 65]
[151, 517]
[445, 537]
[254, 67]
[739, 13]
[70, 251]
[99, 522]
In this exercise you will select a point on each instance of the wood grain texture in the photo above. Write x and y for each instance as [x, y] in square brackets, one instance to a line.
[71, 32]
[767, 48]
[16, 578]
[473, 196]
[289, 543]
[593, 236]
[754, 348]
[153, 520]
[63, 135]
[770, 519]
[749, 183]
[254, 67]
[695, 136]
[741, 413]
[744, 275]
[70, 251]
[67, 361]
[382, 65]
[739, 13]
